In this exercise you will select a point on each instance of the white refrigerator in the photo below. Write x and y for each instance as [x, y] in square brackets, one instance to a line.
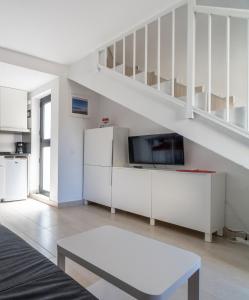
[15, 178]
[103, 148]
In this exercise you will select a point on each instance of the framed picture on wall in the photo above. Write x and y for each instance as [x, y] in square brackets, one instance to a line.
[79, 107]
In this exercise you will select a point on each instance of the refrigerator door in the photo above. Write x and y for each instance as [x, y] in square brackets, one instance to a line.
[98, 147]
[102, 176]
[15, 179]
[2, 181]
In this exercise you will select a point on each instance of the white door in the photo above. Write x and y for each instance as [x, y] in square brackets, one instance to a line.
[13, 109]
[15, 179]
[97, 184]
[2, 181]
[131, 190]
[98, 147]
[182, 199]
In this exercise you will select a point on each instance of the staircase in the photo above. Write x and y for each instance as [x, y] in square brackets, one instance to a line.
[168, 87]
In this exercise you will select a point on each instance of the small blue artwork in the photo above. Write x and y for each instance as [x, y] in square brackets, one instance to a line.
[79, 106]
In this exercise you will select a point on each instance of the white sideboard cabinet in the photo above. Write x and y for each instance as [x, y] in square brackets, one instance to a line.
[187, 199]
[13, 109]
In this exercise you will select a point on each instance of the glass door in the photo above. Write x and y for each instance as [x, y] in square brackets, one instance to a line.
[45, 136]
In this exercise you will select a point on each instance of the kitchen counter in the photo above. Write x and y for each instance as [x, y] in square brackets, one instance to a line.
[8, 154]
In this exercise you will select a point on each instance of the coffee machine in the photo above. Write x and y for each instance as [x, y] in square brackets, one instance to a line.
[21, 147]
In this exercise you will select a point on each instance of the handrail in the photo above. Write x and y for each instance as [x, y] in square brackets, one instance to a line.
[222, 11]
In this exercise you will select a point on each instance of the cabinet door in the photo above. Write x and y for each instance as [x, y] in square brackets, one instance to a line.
[98, 147]
[131, 190]
[97, 184]
[182, 199]
[13, 109]
[2, 182]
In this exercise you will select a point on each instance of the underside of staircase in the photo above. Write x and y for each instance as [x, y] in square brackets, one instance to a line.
[163, 109]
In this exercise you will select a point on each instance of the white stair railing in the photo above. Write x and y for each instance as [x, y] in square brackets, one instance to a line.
[228, 13]
[129, 59]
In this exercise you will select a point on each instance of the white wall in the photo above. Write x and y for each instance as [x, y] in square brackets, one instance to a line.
[237, 190]
[71, 131]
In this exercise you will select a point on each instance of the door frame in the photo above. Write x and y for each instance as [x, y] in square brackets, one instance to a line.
[43, 143]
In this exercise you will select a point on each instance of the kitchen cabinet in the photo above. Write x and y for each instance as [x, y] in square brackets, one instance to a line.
[13, 109]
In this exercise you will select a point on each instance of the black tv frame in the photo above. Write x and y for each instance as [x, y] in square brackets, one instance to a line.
[131, 156]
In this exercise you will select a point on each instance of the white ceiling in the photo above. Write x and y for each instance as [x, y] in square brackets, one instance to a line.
[66, 30]
[22, 78]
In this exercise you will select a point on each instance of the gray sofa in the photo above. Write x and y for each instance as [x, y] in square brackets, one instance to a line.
[26, 274]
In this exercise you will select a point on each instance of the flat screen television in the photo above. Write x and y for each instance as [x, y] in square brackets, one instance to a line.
[160, 149]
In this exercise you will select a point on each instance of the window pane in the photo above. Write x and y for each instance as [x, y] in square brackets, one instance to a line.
[46, 169]
[47, 121]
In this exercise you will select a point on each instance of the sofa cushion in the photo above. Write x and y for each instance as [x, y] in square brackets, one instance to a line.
[27, 274]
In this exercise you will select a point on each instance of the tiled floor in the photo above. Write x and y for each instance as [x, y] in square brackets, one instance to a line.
[225, 266]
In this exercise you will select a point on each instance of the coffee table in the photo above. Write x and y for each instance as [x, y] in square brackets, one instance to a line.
[141, 267]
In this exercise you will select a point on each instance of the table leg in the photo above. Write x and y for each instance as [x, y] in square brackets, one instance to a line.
[193, 286]
[61, 260]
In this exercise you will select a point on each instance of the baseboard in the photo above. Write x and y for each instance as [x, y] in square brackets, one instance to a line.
[46, 200]
[43, 199]
[71, 203]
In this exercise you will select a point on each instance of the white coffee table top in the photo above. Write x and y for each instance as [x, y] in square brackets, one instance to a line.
[133, 262]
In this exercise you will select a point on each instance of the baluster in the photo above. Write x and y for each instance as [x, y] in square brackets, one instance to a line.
[124, 56]
[191, 59]
[247, 117]
[105, 63]
[134, 55]
[173, 55]
[209, 63]
[159, 53]
[228, 70]
[146, 55]
[114, 55]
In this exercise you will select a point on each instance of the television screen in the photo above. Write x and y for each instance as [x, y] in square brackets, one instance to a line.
[160, 149]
